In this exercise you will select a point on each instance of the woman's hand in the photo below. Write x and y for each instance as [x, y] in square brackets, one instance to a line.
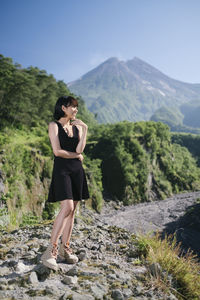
[79, 122]
[81, 157]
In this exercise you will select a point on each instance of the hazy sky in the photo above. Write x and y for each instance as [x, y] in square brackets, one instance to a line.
[68, 38]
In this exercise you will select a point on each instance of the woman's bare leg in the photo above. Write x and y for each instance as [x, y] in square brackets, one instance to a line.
[67, 208]
[68, 226]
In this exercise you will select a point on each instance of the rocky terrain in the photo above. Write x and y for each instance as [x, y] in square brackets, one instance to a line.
[109, 265]
[179, 214]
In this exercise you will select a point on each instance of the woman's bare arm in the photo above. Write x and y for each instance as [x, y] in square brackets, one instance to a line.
[82, 139]
[55, 143]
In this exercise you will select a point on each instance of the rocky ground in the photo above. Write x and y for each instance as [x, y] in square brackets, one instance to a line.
[109, 266]
[179, 214]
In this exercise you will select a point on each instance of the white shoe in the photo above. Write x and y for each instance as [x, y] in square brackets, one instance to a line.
[49, 257]
[66, 254]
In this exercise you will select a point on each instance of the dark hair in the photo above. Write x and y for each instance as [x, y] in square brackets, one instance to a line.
[66, 101]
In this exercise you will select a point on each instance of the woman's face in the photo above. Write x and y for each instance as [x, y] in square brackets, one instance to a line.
[70, 111]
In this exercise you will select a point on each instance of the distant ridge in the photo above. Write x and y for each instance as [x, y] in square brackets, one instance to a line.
[131, 90]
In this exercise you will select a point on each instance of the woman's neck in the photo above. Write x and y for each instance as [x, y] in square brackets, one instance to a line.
[65, 121]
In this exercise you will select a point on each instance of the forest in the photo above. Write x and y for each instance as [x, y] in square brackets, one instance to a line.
[131, 162]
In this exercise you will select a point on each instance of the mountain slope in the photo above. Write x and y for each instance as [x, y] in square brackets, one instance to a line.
[131, 90]
[183, 118]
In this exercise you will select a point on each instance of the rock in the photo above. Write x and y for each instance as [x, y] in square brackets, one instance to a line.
[112, 276]
[138, 290]
[15, 278]
[82, 264]
[115, 262]
[98, 291]
[89, 273]
[70, 280]
[95, 256]
[132, 252]
[110, 247]
[76, 296]
[33, 279]
[3, 287]
[21, 267]
[104, 265]
[117, 295]
[155, 269]
[12, 262]
[73, 271]
[3, 284]
[124, 277]
[82, 256]
[4, 271]
[102, 248]
[139, 270]
[127, 293]
[42, 271]
[95, 247]
[81, 250]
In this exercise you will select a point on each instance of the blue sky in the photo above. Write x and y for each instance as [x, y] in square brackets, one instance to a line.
[68, 38]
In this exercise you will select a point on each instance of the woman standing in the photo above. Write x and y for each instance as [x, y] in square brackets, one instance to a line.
[68, 185]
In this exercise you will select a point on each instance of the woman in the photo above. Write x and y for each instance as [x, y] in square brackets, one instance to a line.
[68, 184]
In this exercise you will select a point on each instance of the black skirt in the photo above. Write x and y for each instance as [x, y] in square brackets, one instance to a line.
[68, 180]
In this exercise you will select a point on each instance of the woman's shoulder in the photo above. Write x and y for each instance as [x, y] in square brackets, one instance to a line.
[53, 123]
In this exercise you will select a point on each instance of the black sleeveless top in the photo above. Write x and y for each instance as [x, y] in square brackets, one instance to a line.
[68, 143]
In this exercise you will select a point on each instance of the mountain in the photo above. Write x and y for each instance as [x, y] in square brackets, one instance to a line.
[130, 90]
[183, 118]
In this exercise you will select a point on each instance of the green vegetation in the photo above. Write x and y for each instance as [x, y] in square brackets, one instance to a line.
[26, 163]
[184, 118]
[139, 162]
[190, 141]
[185, 269]
[26, 171]
[28, 96]
[191, 113]
[168, 115]
[27, 100]
[132, 162]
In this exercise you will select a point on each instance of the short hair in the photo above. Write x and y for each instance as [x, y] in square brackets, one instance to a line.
[66, 101]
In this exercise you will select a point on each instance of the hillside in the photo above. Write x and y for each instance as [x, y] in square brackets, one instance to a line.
[28, 96]
[183, 118]
[140, 163]
[132, 90]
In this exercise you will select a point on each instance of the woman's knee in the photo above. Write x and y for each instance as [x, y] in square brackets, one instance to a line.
[67, 207]
[72, 213]
[74, 207]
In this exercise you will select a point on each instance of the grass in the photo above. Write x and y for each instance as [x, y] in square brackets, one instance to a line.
[184, 269]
